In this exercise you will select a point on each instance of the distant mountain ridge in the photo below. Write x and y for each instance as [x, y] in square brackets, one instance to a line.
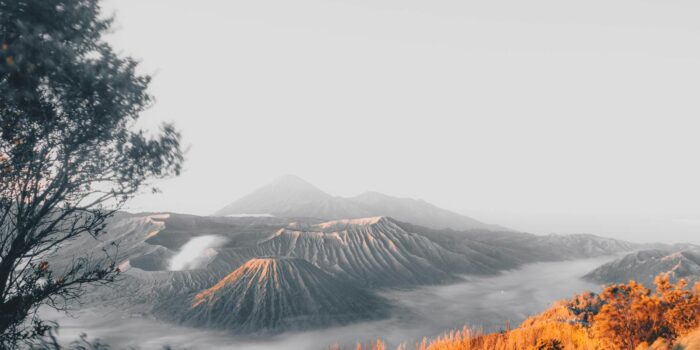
[291, 196]
[644, 265]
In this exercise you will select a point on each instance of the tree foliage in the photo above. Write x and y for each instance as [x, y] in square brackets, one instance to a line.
[634, 315]
[622, 316]
[70, 155]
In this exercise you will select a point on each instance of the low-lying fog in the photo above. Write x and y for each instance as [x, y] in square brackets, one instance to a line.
[483, 302]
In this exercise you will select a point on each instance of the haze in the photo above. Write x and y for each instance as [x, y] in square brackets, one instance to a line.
[543, 116]
[485, 303]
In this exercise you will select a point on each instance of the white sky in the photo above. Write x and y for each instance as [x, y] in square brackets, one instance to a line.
[545, 116]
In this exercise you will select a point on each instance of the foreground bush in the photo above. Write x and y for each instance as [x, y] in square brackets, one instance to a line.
[622, 317]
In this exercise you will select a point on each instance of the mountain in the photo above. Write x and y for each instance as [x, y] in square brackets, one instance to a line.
[509, 249]
[290, 196]
[371, 251]
[307, 258]
[276, 293]
[417, 212]
[642, 266]
[579, 245]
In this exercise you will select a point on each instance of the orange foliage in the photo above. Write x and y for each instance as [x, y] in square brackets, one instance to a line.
[547, 336]
[624, 316]
[633, 315]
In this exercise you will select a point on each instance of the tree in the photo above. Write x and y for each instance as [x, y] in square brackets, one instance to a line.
[548, 344]
[70, 155]
[681, 305]
[630, 316]
[633, 315]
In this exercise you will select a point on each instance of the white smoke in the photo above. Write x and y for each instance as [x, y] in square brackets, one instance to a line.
[196, 253]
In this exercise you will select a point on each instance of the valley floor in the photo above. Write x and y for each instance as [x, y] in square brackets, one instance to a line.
[482, 302]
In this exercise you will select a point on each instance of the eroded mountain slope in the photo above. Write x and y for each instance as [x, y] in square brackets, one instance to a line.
[643, 266]
[276, 293]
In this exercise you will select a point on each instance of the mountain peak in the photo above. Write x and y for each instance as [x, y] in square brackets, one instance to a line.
[279, 293]
[257, 269]
[353, 222]
[281, 196]
[291, 180]
[291, 196]
[292, 185]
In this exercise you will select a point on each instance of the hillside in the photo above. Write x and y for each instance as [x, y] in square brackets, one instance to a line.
[290, 196]
[667, 319]
[418, 212]
[644, 265]
[688, 342]
[275, 294]
[371, 251]
[510, 249]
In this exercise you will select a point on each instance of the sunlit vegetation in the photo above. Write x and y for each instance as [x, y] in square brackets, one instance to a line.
[622, 317]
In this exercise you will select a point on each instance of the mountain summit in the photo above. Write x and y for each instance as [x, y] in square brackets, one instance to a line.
[291, 196]
[273, 294]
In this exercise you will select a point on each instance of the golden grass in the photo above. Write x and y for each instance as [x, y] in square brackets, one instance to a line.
[622, 317]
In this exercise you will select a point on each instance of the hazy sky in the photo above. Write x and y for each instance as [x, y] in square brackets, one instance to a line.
[545, 116]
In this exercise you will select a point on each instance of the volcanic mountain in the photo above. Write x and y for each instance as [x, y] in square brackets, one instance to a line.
[290, 196]
[277, 293]
[371, 251]
[642, 266]
[314, 267]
